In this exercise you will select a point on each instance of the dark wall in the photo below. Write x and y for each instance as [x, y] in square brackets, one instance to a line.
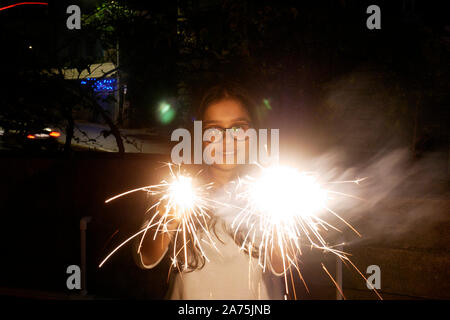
[42, 200]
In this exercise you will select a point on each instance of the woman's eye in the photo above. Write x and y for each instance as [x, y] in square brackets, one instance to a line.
[239, 132]
[213, 134]
[213, 130]
[237, 129]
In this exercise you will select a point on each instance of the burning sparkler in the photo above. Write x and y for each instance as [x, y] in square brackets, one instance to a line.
[283, 208]
[180, 202]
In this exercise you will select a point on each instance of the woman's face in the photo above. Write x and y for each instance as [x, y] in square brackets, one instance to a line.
[227, 114]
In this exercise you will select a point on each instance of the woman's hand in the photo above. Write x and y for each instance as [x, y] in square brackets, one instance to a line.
[170, 219]
[154, 246]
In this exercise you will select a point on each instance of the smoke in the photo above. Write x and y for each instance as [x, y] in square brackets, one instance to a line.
[370, 126]
[393, 196]
[399, 199]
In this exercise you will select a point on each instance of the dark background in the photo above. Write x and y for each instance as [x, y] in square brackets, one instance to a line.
[328, 82]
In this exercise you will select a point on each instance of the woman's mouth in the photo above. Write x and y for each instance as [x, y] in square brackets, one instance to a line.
[227, 153]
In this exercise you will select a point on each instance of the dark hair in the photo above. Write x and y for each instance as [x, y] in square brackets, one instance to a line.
[230, 91]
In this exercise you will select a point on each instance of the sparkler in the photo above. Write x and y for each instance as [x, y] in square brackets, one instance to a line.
[179, 202]
[283, 208]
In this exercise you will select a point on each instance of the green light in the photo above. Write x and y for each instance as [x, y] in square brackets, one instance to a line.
[164, 107]
[267, 104]
[165, 113]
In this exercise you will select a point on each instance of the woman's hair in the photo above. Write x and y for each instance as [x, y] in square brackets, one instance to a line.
[219, 92]
[228, 90]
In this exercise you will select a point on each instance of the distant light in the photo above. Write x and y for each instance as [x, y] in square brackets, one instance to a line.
[48, 129]
[22, 3]
[101, 85]
[165, 113]
[164, 107]
[267, 104]
[30, 136]
[54, 134]
[30, 47]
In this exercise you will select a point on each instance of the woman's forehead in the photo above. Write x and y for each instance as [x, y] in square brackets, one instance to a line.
[225, 111]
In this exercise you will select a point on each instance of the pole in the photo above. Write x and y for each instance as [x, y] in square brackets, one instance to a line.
[119, 101]
[83, 227]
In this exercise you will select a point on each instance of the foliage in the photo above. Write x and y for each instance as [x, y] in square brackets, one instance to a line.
[109, 21]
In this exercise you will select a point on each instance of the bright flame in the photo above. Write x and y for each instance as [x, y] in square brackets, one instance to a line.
[283, 210]
[284, 193]
[180, 200]
[182, 192]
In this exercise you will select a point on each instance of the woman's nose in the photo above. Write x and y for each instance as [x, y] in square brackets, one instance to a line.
[229, 143]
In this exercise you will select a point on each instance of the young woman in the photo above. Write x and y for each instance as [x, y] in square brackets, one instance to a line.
[230, 272]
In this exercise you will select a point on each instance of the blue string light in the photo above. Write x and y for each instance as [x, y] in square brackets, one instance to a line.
[101, 85]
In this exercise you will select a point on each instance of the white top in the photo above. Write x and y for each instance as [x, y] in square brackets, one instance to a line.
[230, 274]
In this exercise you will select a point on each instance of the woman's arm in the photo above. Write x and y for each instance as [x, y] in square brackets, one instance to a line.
[154, 247]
